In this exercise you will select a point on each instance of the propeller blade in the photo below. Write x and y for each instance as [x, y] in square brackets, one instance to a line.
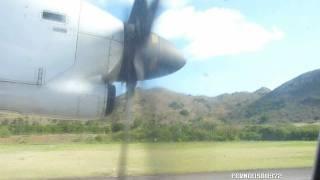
[139, 67]
[151, 16]
[137, 31]
[122, 169]
[136, 34]
[143, 16]
[138, 11]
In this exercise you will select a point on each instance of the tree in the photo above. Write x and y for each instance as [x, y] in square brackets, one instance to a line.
[184, 112]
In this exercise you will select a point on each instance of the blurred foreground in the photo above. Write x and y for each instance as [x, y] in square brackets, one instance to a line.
[95, 160]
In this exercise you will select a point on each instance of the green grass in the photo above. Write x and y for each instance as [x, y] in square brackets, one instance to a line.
[82, 160]
[301, 124]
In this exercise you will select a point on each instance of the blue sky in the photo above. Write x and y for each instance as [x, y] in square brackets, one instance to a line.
[235, 45]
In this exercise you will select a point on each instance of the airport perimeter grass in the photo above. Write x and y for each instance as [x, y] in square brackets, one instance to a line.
[82, 160]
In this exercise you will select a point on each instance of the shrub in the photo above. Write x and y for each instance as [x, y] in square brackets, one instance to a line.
[184, 112]
[175, 105]
[4, 132]
[152, 130]
[116, 127]
[98, 138]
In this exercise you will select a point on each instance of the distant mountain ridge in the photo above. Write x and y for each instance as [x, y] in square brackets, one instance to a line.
[297, 100]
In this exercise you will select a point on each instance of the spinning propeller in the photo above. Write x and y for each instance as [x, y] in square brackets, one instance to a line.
[137, 31]
[145, 56]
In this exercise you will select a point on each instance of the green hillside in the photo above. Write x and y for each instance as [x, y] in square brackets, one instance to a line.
[297, 100]
[167, 107]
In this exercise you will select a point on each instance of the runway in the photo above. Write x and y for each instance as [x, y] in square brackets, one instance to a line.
[283, 174]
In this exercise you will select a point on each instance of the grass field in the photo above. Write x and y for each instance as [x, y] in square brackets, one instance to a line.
[82, 160]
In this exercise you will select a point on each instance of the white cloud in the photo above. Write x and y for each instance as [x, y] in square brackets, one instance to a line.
[101, 3]
[208, 33]
[174, 3]
[214, 32]
[105, 3]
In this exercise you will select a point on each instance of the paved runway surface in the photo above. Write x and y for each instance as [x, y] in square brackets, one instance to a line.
[286, 174]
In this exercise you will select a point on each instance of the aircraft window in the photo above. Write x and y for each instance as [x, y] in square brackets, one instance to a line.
[54, 17]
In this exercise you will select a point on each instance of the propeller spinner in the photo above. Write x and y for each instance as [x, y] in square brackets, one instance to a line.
[146, 55]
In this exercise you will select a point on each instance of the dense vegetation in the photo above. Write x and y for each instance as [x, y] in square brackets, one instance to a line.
[151, 131]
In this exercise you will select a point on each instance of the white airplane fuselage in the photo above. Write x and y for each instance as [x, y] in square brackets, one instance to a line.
[53, 54]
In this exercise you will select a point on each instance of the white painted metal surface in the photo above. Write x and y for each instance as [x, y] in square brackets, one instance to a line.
[54, 68]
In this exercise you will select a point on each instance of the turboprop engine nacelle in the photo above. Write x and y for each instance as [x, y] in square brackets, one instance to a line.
[53, 103]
